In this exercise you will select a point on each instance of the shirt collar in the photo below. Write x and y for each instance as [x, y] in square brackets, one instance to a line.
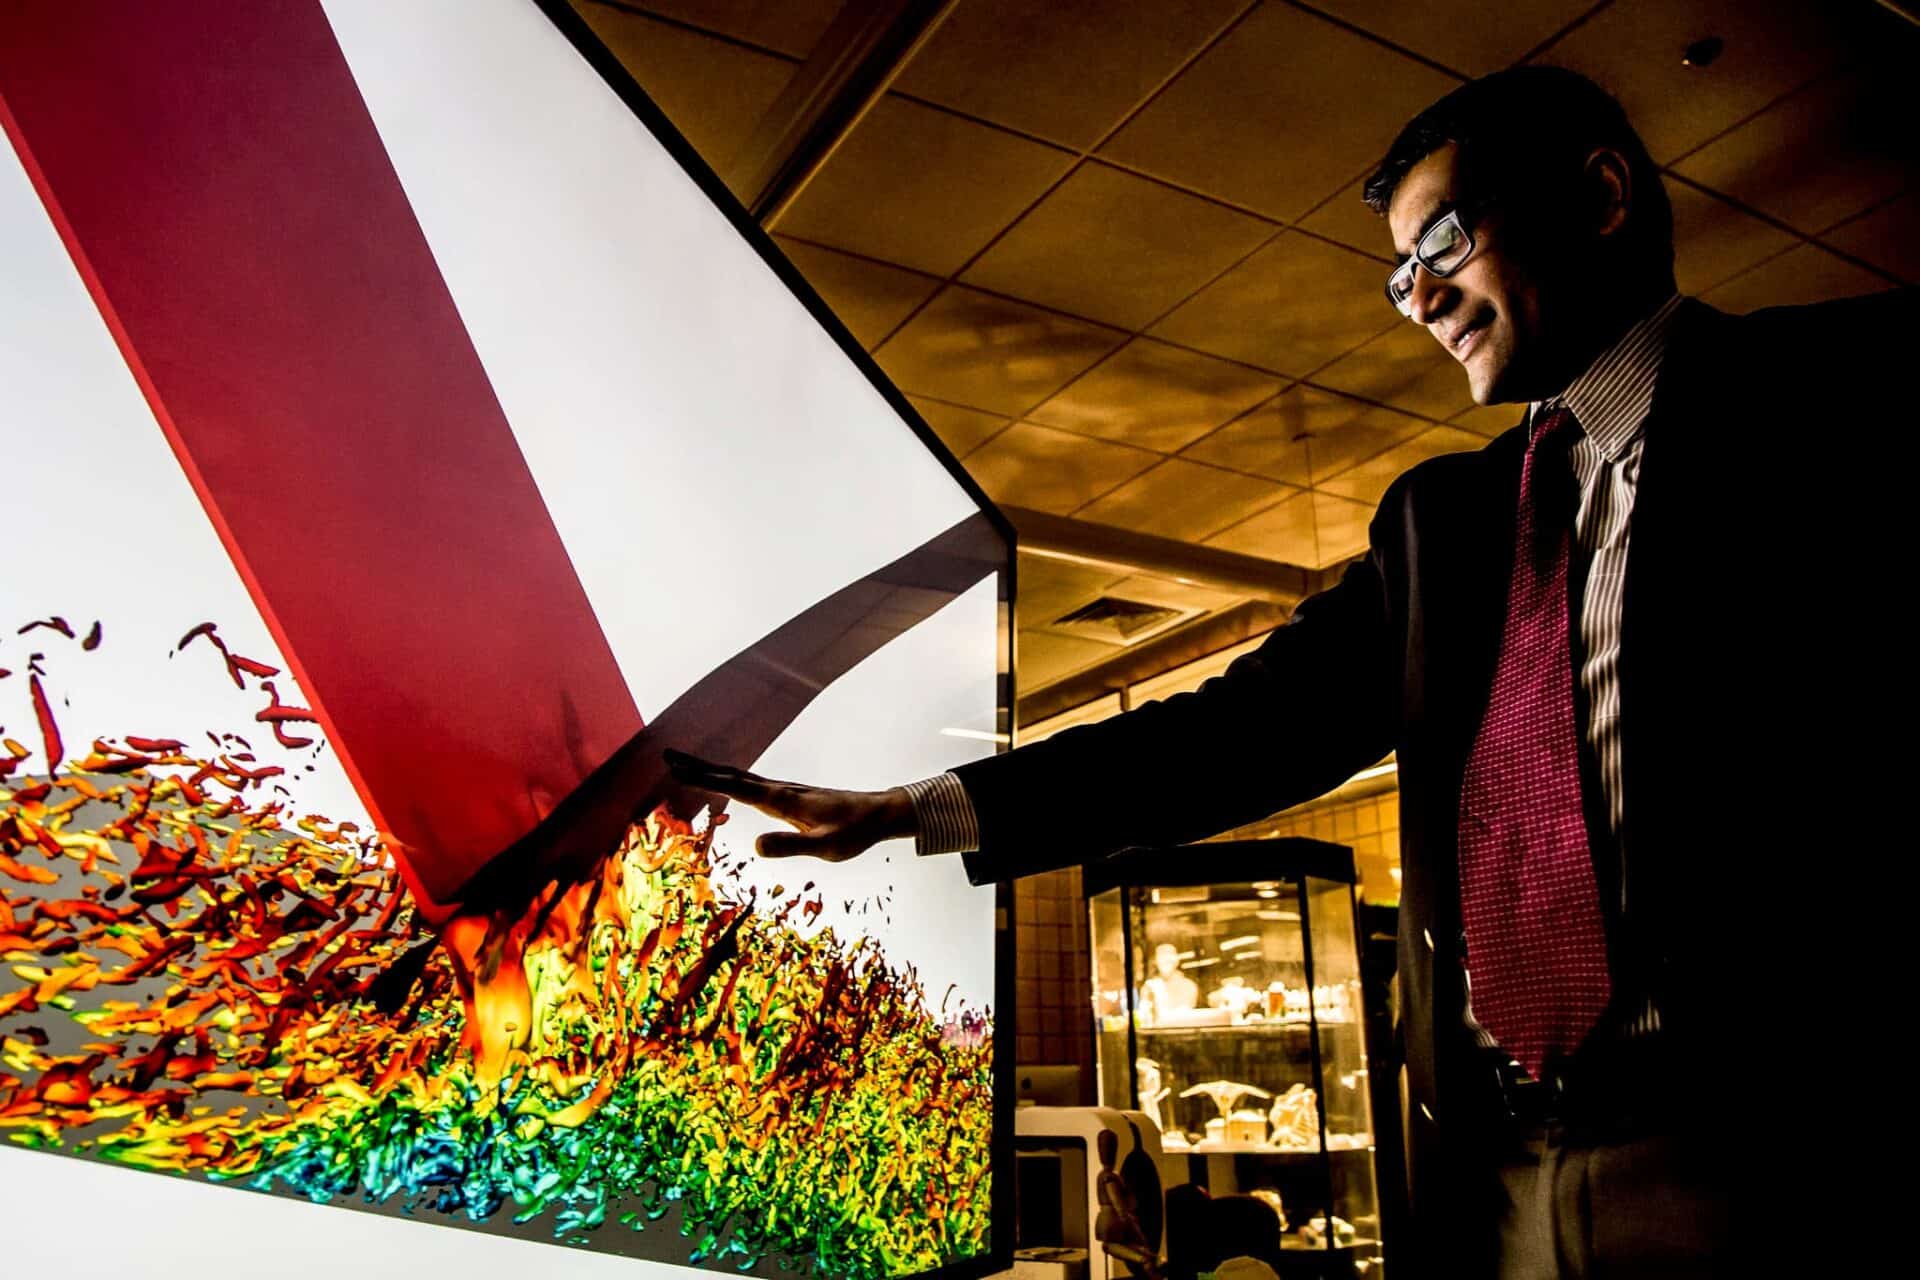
[1610, 400]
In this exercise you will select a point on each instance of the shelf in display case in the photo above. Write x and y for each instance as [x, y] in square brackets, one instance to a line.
[1255, 1149]
[1292, 1243]
[1239, 1028]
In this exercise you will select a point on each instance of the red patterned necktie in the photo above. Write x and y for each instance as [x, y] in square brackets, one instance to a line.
[1536, 941]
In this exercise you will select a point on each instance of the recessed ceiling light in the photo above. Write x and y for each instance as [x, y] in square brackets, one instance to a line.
[1703, 52]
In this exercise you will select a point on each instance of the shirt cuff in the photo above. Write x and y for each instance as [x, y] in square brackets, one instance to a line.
[943, 811]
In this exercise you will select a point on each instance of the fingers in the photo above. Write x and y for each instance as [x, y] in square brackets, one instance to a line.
[789, 844]
[827, 821]
[720, 779]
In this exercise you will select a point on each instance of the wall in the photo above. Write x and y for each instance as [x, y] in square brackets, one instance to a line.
[1051, 972]
[1369, 825]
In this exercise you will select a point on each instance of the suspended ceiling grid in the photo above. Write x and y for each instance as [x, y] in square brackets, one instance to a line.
[1114, 249]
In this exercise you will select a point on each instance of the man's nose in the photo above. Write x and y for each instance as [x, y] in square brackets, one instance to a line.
[1432, 296]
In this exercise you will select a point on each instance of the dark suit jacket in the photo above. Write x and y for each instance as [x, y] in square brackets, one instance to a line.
[1760, 698]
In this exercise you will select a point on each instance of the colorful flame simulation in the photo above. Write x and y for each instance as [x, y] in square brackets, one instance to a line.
[198, 980]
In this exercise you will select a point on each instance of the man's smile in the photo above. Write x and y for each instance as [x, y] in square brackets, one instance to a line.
[1464, 337]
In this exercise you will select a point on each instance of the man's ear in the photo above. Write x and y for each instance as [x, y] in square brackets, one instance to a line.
[1606, 191]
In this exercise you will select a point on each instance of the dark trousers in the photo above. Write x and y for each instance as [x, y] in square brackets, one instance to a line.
[1579, 1209]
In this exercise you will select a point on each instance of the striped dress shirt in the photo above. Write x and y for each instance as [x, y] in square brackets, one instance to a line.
[1610, 401]
[944, 815]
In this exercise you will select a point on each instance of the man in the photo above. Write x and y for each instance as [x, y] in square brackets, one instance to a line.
[1587, 644]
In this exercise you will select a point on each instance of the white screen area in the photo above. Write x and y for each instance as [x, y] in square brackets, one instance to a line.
[696, 435]
[629, 332]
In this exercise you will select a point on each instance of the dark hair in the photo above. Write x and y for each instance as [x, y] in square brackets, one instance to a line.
[1525, 133]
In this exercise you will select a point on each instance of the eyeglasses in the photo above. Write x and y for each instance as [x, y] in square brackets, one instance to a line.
[1443, 249]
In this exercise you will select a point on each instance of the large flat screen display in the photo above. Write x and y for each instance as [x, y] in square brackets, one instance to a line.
[406, 441]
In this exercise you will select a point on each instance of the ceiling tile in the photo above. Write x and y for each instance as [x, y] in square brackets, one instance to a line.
[1457, 33]
[1115, 247]
[923, 188]
[1821, 155]
[1045, 657]
[1367, 481]
[1633, 48]
[869, 297]
[961, 429]
[1284, 109]
[713, 91]
[1282, 532]
[1184, 500]
[791, 27]
[1406, 368]
[1341, 527]
[1304, 436]
[1068, 70]
[1049, 589]
[1347, 219]
[992, 353]
[1052, 471]
[1156, 396]
[1888, 237]
[1291, 307]
[1489, 420]
[1712, 240]
[1806, 274]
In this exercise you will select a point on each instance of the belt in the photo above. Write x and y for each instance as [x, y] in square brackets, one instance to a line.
[1529, 1102]
[1606, 1095]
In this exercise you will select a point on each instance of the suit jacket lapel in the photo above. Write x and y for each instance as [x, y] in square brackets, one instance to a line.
[1484, 573]
[1459, 609]
[1671, 481]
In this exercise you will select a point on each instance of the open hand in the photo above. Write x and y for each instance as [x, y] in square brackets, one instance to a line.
[834, 825]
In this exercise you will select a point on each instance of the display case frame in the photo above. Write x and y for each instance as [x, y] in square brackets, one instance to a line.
[1310, 879]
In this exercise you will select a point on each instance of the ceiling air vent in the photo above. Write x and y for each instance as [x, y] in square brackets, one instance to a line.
[1112, 620]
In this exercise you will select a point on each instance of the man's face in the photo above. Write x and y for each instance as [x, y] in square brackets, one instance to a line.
[1489, 314]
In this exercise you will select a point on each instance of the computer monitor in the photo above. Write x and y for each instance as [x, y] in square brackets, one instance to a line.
[409, 440]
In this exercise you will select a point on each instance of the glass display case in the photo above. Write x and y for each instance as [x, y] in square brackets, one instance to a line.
[1228, 1007]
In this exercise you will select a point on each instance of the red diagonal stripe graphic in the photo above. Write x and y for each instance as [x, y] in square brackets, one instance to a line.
[224, 193]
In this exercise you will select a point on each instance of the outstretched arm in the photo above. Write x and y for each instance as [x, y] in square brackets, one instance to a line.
[1317, 702]
[1313, 705]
